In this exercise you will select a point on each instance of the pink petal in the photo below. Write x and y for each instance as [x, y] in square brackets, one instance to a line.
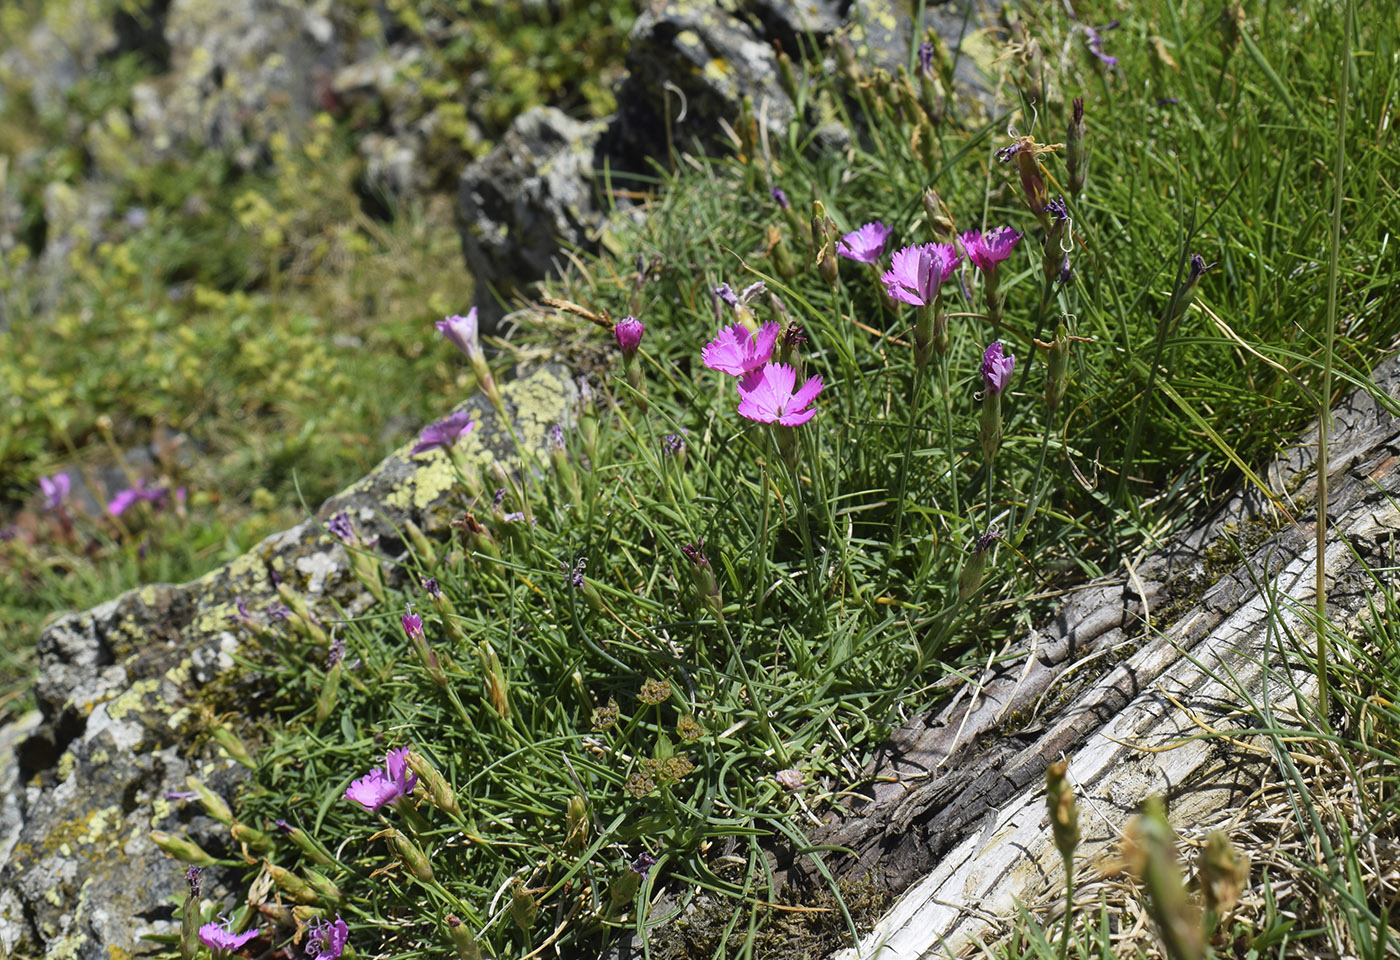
[804, 397]
[767, 338]
[796, 419]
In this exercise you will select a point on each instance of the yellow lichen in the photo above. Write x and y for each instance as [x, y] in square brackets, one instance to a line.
[133, 698]
[65, 765]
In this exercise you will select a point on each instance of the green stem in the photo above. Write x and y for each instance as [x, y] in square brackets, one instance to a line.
[1036, 489]
[1069, 905]
[948, 428]
[1324, 410]
[914, 397]
[760, 705]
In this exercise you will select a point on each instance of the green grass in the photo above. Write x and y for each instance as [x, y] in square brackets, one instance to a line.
[825, 633]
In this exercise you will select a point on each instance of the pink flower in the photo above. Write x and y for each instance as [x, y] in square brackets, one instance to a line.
[462, 331]
[327, 940]
[220, 936]
[124, 500]
[996, 369]
[384, 785]
[986, 250]
[444, 433]
[412, 625]
[736, 351]
[55, 490]
[916, 273]
[628, 333]
[766, 396]
[866, 244]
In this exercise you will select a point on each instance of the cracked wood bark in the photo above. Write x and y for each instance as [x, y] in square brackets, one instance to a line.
[958, 803]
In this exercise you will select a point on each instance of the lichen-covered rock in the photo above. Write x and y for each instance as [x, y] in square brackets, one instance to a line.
[690, 63]
[120, 690]
[531, 197]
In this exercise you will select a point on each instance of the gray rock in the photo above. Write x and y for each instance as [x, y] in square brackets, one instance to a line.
[690, 63]
[531, 197]
[119, 693]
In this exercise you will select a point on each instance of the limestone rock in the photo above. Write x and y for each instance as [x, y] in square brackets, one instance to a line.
[121, 687]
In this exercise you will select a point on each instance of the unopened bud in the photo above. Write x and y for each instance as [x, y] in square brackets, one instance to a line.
[182, 848]
[1186, 292]
[463, 941]
[1076, 151]
[576, 824]
[1224, 874]
[232, 745]
[494, 677]
[325, 888]
[1032, 183]
[1151, 855]
[250, 837]
[702, 578]
[970, 577]
[787, 76]
[523, 908]
[440, 792]
[330, 689]
[1064, 814]
[213, 804]
[306, 843]
[291, 884]
[940, 220]
[1056, 368]
[422, 546]
[412, 856]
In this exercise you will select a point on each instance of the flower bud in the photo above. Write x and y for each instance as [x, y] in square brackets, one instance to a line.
[440, 792]
[940, 220]
[1056, 368]
[1076, 153]
[422, 546]
[213, 804]
[970, 577]
[778, 252]
[306, 843]
[1224, 874]
[576, 824]
[1186, 292]
[1032, 183]
[702, 578]
[232, 745]
[330, 689]
[494, 677]
[412, 856]
[1053, 253]
[182, 848]
[250, 837]
[1064, 815]
[325, 889]
[787, 76]
[291, 884]
[1150, 854]
[462, 939]
[523, 907]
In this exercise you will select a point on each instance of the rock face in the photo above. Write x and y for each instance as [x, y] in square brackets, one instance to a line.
[690, 65]
[529, 199]
[122, 687]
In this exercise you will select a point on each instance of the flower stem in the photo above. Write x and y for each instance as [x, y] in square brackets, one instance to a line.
[915, 394]
[948, 429]
[1069, 904]
[1036, 490]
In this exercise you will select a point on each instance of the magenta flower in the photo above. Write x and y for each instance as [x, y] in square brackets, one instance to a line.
[628, 333]
[55, 490]
[124, 500]
[867, 244]
[737, 352]
[986, 250]
[766, 395]
[996, 369]
[220, 936]
[444, 433]
[917, 272]
[327, 940]
[462, 331]
[412, 625]
[384, 785]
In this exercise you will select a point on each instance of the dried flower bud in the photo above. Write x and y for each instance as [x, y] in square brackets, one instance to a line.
[576, 824]
[213, 804]
[1151, 855]
[291, 884]
[523, 907]
[412, 856]
[1224, 874]
[1076, 152]
[462, 939]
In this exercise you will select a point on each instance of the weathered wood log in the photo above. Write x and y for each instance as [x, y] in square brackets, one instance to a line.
[958, 805]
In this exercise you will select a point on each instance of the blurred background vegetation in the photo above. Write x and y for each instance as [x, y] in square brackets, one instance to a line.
[249, 319]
